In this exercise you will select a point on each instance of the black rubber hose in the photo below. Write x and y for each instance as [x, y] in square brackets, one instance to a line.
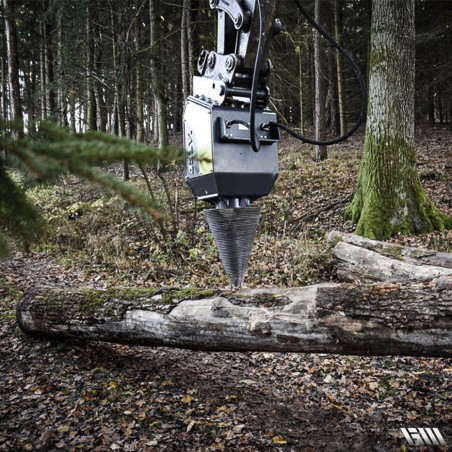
[358, 75]
[254, 137]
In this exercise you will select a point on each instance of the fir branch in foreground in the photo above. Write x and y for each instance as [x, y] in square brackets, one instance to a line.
[17, 214]
[51, 151]
[98, 147]
[130, 194]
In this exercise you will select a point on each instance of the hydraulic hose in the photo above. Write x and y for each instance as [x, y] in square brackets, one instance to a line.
[258, 63]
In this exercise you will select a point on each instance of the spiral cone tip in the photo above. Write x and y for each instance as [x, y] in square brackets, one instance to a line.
[234, 230]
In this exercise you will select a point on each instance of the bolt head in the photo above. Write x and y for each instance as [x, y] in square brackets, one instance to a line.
[230, 63]
[211, 60]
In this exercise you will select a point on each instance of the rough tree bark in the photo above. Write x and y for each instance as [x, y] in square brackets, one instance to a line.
[320, 63]
[389, 198]
[399, 317]
[157, 76]
[13, 67]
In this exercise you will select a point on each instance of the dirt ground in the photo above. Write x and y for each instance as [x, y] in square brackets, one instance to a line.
[95, 396]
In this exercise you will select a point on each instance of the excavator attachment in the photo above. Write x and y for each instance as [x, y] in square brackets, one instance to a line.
[231, 154]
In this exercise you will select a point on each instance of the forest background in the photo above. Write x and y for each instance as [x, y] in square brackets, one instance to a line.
[124, 69]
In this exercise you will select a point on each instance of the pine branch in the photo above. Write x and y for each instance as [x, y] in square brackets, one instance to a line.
[127, 192]
[53, 151]
[97, 147]
[17, 214]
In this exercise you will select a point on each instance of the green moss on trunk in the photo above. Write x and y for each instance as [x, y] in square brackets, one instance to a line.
[389, 199]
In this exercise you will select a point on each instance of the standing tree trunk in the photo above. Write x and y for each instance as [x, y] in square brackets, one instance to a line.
[184, 48]
[139, 85]
[190, 44]
[4, 82]
[91, 114]
[13, 67]
[119, 108]
[157, 79]
[301, 62]
[102, 109]
[320, 62]
[340, 69]
[49, 73]
[42, 73]
[389, 198]
[62, 87]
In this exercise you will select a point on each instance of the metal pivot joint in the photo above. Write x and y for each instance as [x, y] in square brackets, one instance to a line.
[221, 166]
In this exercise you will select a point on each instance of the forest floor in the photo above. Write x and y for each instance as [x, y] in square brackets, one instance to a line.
[67, 396]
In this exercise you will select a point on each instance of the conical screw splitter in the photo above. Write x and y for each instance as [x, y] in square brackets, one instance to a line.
[234, 230]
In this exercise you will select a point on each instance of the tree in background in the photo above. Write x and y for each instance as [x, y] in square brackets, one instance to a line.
[389, 198]
[433, 61]
[157, 75]
[320, 63]
[13, 66]
[55, 152]
[116, 67]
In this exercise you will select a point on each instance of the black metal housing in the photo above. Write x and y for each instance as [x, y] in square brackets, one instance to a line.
[220, 162]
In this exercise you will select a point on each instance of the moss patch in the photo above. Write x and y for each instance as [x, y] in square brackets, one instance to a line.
[389, 199]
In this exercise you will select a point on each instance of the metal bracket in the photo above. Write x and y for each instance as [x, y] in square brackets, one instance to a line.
[214, 65]
[232, 64]
[213, 91]
[239, 16]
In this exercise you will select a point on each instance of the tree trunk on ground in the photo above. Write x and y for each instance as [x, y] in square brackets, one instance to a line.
[382, 319]
[416, 256]
[389, 198]
[407, 317]
[363, 261]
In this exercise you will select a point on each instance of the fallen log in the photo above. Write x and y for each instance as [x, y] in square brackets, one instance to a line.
[412, 319]
[416, 256]
[363, 260]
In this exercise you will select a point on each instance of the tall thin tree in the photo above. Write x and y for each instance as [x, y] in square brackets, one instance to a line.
[157, 77]
[320, 151]
[340, 68]
[13, 66]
